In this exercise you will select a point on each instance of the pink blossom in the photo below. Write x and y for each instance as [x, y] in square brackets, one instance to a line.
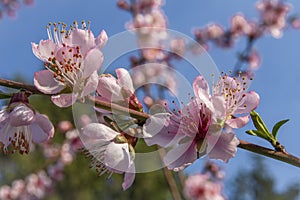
[55, 171]
[150, 28]
[295, 22]
[158, 73]
[114, 89]
[239, 25]
[273, 14]
[64, 126]
[254, 60]
[38, 185]
[200, 187]
[196, 130]
[110, 152]
[213, 31]
[177, 46]
[20, 125]
[237, 100]
[118, 90]
[17, 189]
[193, 132]
[5, 192]
[72, 58]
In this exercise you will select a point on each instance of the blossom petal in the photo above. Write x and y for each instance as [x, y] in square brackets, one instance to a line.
[44, 49]
[225, 148]
[45, 82]
[83, 38]
[219, 103]
[117, 157]
[129, 177]
[108, 88]
[91, 84]
[42, 129]
[4, 115]
[251, 102]
[6, 132]
[156, 130]
[124, 79]
[238, 122]
[99, 131]
[21, 115]
[200, 86]
[181, 156]
[92, 62]
[101, 39]
[64, 100]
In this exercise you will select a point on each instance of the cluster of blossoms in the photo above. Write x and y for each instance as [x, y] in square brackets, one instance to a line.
[35, 186]
[273, 19]
[10, 7]
[39, 185]
[149, 23]
[205, 186]
[72, 58]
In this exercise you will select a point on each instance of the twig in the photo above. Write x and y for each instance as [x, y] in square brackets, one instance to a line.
[170, 179]
[278, 155]
[18, 85]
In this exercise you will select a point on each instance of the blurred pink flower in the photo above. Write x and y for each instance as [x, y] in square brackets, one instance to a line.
[295, 22]
[20, 125]
[150, 28]
[239, 25]
[200, 187]
[72, 58]
[254, 60]
[213, 31]
[110, 152]
[5, 192]
[177, 46]
[17, 189]
[38, 185]
[55, 171]
[273, 14]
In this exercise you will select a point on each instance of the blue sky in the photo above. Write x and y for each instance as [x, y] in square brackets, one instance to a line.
[277, 81]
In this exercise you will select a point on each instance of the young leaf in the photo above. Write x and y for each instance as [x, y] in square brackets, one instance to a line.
[277, 126]
[258, 122]
[259, 134]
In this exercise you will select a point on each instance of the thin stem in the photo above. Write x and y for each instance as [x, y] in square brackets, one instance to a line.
[19, 86]
[117, 109]
[278, 155]
[142, 117]
[170, 179]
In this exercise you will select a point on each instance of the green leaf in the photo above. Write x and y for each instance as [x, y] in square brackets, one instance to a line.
[259, 134]
[258, 122]
[277, 126]
[252, 132]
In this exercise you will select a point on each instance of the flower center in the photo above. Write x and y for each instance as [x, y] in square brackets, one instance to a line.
[21, 140]
[66, 61]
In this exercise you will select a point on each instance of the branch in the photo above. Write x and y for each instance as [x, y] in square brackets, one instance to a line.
[278, 155]
[142, 117]
[19, 86]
